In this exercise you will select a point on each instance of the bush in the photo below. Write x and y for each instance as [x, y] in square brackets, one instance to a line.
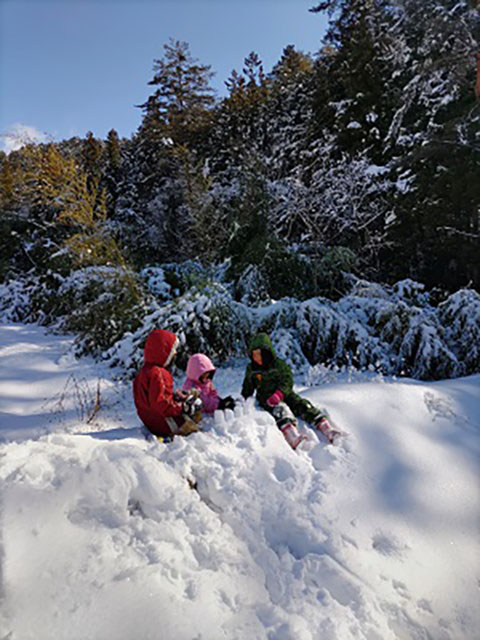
[100, 304]
[460, 315]
[276, 272]
[204, 320]
[392, 330]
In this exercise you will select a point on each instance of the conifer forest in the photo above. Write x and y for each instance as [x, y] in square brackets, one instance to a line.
[333, 201]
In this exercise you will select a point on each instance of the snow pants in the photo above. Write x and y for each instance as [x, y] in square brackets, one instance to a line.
[294, 405]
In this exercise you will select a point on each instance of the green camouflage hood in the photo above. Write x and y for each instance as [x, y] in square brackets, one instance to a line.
[261, 341]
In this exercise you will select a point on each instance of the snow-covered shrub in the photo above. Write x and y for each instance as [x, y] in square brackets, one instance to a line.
[155, 282]
[392, 322]
[415, 337]
[100, 304]
[288, 347]
[411, 291]
[460, 315]
[319, 325]
[317, 331]
[380, 332]
[251, 288]
[367, 289]
[206, 320]
[329, 335]
[387, 330]
[209, 322]
[423, 353]
[363, 309]
[15, 301]
[279, 315]
[32, 298]
[184, 275]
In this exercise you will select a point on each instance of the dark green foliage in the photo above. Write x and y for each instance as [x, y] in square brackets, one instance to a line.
[179, 106]
[92, 157]
[251, 234]
[99, 304]
[12, 234]
[281, 272]
[102, 312]
[186, 275]
[435, 235]
[289, 273]
[113, 172]
[362, 158]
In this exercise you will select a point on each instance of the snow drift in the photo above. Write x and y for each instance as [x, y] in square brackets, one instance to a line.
[228, 533]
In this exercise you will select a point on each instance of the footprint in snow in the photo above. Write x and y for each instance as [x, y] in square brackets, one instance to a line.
[401, 589]
[388, 545]
[425, 605]
[283, 470]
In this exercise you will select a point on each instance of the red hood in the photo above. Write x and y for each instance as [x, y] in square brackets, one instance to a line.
[159, 346]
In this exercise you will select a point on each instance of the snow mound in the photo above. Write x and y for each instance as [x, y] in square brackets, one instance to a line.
[229, 533]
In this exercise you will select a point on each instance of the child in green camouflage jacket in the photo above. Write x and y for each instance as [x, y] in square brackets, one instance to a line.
[272, 380]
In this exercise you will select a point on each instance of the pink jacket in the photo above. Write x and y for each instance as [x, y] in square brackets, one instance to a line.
[197, 365]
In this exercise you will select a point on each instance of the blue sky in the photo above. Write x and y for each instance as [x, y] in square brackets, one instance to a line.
[72, 66]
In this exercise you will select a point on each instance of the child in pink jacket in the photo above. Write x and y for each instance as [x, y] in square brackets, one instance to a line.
[200, 371]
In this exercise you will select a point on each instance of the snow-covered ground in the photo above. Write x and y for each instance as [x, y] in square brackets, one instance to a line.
[228, 533]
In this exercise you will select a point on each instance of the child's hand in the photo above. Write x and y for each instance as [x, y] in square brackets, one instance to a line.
[192, 406]
[180, 396]
[275, 398]
[226, 403]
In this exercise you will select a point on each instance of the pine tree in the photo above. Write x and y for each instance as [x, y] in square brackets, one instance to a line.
[7, 184]
[199, 231]
[113, 169]
[46, 178]
[250, 225]
[151, 201]
[434, 234]
[290, 110]
[241, 120]
[181, 104]
[9, 227]
[359, 58]
[92, 157]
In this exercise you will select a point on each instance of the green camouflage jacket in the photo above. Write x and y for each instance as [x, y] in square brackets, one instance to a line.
[266, 379]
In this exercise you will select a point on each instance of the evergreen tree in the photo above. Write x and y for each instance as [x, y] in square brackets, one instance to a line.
[436, 228]
[151, 202]
[7, 183]
[9, 222]
[359, 58]
[250, 218]
[181, 104]
[241, 121]
[92, 157]
[113, 169]
[46, 178]
[289, 111]
[435, 52]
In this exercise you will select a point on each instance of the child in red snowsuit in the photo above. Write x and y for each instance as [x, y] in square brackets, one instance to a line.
[160, 410]
[200, 372]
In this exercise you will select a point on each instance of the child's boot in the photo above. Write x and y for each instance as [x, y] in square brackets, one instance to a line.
[287, 424]
[324, 426]
[292, 436]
